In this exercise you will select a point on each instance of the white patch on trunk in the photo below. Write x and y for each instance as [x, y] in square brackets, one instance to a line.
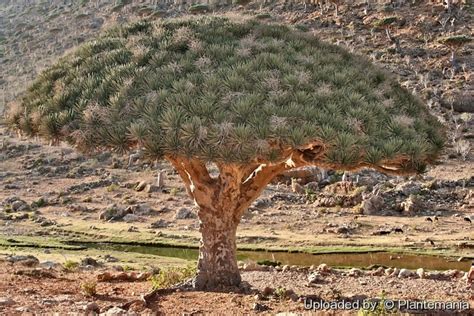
[254, 173]
[191, 185]
[290, 163]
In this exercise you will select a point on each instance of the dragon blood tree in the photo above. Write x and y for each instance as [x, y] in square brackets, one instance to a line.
[254, 99]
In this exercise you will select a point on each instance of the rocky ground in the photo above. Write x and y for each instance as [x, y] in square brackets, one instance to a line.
[56, 193]
[51, 195]
[29, 286]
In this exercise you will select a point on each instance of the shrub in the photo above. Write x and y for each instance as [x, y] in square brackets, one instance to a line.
[89, 288]
[171, 276]
[70, 265]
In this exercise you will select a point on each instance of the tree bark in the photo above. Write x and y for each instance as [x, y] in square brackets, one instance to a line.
[222, 202]
[217, 262]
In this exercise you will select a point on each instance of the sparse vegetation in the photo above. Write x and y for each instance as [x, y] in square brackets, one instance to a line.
[380, 309]
[270, 263]
[172, 276]
[70, 265]
[89, 288]
[454, 43]
[113, 187]
[280, 293]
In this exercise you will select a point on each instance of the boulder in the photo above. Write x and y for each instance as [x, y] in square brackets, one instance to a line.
[113, 212]
[88, 261]
[143, 209]
[378, 272]
[324, 268]
[91, 307]
[412, 204]
[25, 260]
[372, 204]
[20, 206]
[409, 188]
[130, 218]
[161, 223]
[184, 213]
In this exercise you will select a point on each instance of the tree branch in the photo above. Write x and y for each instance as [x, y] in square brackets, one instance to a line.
[199, 184]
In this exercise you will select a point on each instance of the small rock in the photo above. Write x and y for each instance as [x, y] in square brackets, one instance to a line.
[109, 258]
[132, 229]
[453, 273]
[87, 261]
[288, 293]
[412, 204]
[324, 268]
[184, 213]
[150, 188]
[315, 278]
[409, 188]
[395, 272]
[20, 206]
[130, 218]
[405, 273]
[6, 301]
[92, 307]
[25, 260]
[140, 186]
[143, 209]
[252, 266]
[115, 311]
[421, 273]
[354, 272]
[260, 307]
[296, 187]
[435, 276]
[267, 291]
[49, 264]
[285, 268]
[161, 223]
[262, 203]
[312, 186]
[294, 297]
[378, 272]
[372, 205]
[113, 212]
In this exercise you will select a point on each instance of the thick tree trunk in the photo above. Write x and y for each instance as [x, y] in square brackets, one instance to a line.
[222, 202]
[217, 263]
